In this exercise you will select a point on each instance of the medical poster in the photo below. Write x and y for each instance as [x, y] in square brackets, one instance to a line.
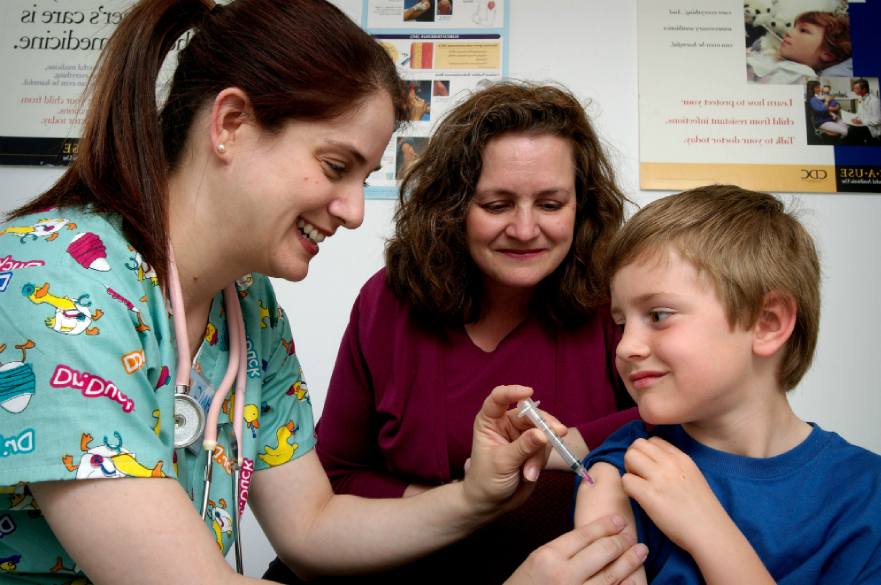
[48, 49]
[443, 49]
[770, 95]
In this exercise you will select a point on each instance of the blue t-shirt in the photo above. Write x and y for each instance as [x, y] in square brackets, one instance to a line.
[87, 368]
[813, 514]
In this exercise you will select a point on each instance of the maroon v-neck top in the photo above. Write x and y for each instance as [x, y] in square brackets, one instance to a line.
[402, 399]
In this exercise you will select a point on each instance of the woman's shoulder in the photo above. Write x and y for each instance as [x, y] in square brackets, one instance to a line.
[376, 297]
[379, 314]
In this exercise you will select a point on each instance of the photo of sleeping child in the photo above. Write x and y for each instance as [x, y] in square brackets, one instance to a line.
[789, 42]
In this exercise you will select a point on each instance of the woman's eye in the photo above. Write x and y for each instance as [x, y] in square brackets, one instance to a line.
[496, 207]
[550, 205]
[658, 315]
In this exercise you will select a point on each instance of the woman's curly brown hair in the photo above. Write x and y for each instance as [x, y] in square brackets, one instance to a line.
[427, 259]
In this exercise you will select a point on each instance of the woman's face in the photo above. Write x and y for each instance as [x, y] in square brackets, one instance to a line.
[520, 223]
[804, 43]
[291, 189]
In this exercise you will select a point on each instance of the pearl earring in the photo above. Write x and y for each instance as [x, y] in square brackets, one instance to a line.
[221, 148]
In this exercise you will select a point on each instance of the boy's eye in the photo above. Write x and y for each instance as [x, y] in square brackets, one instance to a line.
[658, 315]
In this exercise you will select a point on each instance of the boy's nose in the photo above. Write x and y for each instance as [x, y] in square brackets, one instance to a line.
[632, 346]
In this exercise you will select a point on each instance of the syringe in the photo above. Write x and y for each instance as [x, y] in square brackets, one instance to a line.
[529, 408]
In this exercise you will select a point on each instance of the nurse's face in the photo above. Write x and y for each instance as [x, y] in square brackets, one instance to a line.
[300, 184]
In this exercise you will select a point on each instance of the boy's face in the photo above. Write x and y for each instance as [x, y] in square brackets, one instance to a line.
[803, 43]
[679, 358]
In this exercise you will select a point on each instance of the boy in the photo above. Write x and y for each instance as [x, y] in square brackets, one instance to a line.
[717, 292]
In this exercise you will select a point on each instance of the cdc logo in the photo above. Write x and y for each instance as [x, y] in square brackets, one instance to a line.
[813, 174]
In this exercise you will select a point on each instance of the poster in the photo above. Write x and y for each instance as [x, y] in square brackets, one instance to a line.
[442, 48]
[48, 50]
[748, 93]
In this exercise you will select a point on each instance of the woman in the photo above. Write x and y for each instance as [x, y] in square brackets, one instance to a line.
[493, 276]
[258, 155]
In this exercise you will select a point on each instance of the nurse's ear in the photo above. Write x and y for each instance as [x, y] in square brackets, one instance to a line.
[231, 114]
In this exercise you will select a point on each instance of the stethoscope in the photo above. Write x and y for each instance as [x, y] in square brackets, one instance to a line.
[190, 419]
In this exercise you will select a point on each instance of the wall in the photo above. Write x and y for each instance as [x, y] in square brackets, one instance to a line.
[591, 47]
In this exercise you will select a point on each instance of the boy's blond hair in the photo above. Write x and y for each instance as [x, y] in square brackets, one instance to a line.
[747, 244]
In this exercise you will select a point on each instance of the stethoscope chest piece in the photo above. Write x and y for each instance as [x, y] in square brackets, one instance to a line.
[189, 420]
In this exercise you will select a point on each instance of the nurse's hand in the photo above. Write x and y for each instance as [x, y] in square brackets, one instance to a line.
[505, 449]
[594, 554]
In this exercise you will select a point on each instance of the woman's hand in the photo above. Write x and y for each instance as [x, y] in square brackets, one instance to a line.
[594, 554]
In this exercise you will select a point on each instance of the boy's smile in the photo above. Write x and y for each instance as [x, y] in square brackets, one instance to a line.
[679, 357]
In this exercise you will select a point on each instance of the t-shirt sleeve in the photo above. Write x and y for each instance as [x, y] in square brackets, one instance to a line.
[80, 368]
[613, 448]
[286, 430]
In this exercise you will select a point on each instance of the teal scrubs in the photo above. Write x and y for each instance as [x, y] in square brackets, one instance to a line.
[87, 368]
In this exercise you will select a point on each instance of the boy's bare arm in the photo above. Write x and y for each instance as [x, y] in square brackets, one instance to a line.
[603, 498]
[673, 492]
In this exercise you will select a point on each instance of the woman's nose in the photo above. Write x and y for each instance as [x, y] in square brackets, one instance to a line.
[524, 225]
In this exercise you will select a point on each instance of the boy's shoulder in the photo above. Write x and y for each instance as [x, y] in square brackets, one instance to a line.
[823, 449]
[613, 448]
[838, 451]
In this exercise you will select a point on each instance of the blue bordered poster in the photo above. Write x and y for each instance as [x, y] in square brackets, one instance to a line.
[443, 49]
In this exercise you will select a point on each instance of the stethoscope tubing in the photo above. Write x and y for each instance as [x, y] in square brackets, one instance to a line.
[235, 369]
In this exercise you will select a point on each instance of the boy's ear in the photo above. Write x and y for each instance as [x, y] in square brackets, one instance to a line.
[775, 323]
[826, 56]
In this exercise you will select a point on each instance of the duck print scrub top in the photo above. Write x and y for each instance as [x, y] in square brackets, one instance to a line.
[87, 368]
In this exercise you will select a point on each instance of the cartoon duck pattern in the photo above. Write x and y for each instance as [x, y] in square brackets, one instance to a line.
[87, 361]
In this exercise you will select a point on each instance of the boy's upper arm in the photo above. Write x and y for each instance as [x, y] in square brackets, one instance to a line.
[605, 497]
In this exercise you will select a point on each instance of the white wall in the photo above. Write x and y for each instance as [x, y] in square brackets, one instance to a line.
[590, 46]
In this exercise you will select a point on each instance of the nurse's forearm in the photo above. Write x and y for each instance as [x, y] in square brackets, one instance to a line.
[316, 532]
